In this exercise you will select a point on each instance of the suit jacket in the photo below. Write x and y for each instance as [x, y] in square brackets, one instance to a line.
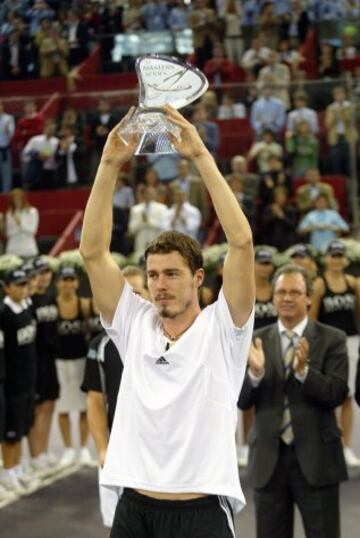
[305, 202]
[333, 115]
[317, 437]
[5, 61]
[357, 384]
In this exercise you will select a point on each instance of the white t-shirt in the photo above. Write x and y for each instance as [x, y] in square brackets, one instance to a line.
[176, 414]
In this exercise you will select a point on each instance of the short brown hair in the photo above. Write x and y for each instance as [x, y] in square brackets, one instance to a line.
[185, 245]
[292, 269]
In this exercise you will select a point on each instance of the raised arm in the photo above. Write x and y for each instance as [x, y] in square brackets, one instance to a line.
[238, 276]
[106, 279]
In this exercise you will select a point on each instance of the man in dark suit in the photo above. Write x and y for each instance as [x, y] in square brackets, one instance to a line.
[357, 384]
[296, 378]
[14, 57]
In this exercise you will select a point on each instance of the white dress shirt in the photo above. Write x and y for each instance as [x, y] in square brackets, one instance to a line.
[45, 146]
[303, 114]
[145, 231]
[188, 221]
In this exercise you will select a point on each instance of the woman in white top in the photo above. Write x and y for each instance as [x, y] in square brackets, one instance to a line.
[21, 225]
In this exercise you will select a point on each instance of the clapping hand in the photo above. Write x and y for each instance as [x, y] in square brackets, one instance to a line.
[256, 358]
[301, 356]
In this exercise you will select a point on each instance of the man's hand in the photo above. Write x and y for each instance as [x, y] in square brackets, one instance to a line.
[116, 151]
[301, 356]
[189, 144]
[256, 358]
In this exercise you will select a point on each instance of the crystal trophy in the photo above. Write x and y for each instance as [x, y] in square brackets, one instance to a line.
[162, 80]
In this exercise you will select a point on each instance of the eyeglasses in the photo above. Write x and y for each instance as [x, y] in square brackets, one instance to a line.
[293, 294]
[20, 284]
[68, 278]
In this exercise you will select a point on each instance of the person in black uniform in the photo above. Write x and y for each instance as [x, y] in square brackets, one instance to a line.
[70, 362]
[336, 302]
[101, 383]
[47, 386]
[19, 329]
[357, 384]
[3, 490]
[265, 314]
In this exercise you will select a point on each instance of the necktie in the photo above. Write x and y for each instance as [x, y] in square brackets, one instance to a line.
[286, 431]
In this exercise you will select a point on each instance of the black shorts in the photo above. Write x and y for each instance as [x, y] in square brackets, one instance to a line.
[19, 416]
[2, 411]
[47, 385]
[139, 516]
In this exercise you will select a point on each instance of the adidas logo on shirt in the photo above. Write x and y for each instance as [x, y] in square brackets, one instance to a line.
[162, 360]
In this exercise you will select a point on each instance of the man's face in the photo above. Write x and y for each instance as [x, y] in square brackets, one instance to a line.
[17, 292]
[238, 166]
[104, 107]
[50, 129]
[312, 176]
[299, 103]
[137, 284]
[290, 298]
[29, 108]
[321, 203]
[172, 286]
[339, 95]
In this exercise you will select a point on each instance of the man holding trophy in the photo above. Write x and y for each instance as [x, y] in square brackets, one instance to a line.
[172, 454]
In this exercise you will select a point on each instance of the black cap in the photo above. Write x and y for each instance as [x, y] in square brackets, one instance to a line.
[41, 263]
[67, 271]
[16, 276]
[301, 251]
[263, 255]
[336, 247]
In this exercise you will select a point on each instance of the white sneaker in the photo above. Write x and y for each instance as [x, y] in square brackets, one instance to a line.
[12, 484]
[243, 455]
[40, 466]
[52, 460]
[3, 493]
[30, 482]
[85, 456]
[68, 457]
[350, 458]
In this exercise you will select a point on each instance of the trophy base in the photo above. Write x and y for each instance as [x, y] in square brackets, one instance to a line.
[153, 128]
